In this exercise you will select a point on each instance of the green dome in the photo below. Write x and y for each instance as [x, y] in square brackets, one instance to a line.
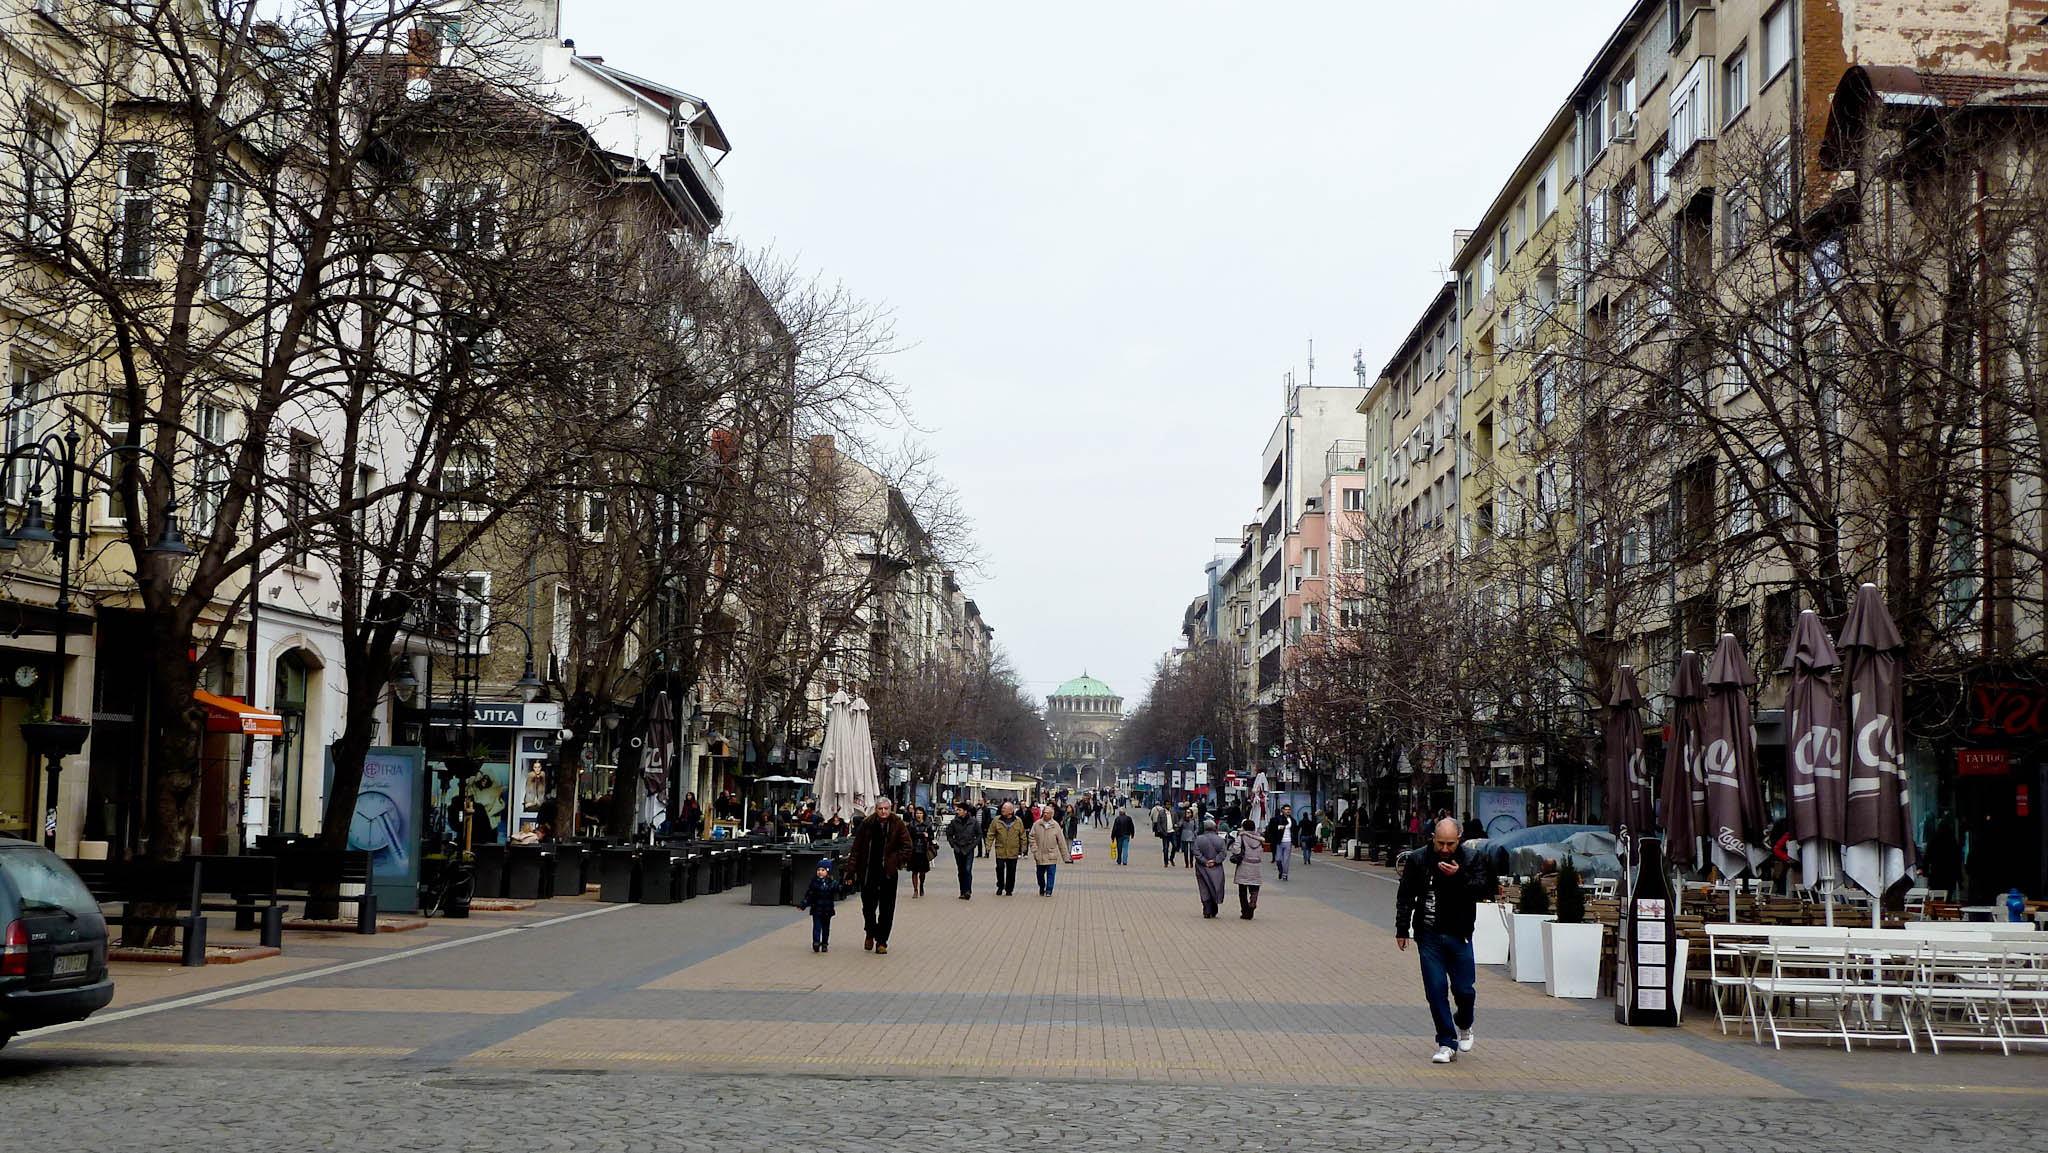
[1083, 686]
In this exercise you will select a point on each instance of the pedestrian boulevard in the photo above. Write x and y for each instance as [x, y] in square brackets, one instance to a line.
[1115, 981]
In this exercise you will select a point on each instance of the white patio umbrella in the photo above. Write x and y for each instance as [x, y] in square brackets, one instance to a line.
[846, 784]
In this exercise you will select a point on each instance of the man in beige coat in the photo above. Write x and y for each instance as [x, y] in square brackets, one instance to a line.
[1007, 840]
[1048, 849]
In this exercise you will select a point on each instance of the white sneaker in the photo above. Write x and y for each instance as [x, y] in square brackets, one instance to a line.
[1464, 1040]
[1444, 1055]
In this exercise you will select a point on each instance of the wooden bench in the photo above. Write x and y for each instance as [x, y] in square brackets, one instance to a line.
[302, 874]
[130, 884]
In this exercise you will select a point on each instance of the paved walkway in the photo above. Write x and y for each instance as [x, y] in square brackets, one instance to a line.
[1113, 995]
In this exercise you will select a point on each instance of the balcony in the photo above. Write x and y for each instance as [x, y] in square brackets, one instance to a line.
[690, 164]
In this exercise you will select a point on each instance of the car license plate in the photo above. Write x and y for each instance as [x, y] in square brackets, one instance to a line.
[70, 966]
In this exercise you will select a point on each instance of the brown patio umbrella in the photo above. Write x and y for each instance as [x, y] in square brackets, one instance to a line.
[1735, 800]
[1813, 753]
[1631, 803]
[1683, 805]
[1876, 847]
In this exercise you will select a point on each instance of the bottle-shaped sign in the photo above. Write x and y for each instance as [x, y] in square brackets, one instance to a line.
[1649, 973]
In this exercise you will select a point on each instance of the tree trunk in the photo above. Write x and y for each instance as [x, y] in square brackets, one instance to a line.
[174, 768]
[350, 748]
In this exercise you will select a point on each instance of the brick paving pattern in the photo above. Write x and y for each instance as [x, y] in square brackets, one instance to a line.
[1111, 1004]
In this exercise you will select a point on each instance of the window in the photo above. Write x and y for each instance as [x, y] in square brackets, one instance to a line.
[298, 497]
[209, 465]
[1734, 85]
[1466, 289]
[1658, 169]
[1545, 385]
[1593, 133]
[1354, 500]
[28, 387]
[1825, 266]
[1741, 510]
[466, 471]
[1312, 614]
[1546, 197]
[223, 254]
[135, 213]
[1623, 96]
[1485, 276]
[1314, 561]
[1735, 221]
[1777, 190]
[1596, 230]
[1500, 249]
[1624, 208]
[42, 181]
[1691, 108]
[1777, 43]
[464, 214]
[1351, 613]
[1354, 556]
[1778, 501]
[473, 609]
[1522, 222]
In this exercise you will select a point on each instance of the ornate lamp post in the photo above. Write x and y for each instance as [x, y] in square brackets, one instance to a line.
[32, 541]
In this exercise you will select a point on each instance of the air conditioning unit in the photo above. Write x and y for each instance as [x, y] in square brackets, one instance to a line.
[1625, 128]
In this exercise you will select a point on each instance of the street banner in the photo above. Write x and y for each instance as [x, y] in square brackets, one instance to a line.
[1500, 811]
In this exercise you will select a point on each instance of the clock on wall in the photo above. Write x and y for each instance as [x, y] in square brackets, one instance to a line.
[25, 675]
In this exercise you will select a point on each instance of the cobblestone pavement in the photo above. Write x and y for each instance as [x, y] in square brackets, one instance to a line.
[1108, 1009]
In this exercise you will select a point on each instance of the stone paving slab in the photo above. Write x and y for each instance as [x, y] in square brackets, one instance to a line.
[372, 1000]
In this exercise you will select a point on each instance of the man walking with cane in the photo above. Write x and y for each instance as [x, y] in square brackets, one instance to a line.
[1441, 888]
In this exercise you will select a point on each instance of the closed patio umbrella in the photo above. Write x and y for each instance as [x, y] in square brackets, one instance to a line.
[1876, 848]
[1736, 821]
[1683, 803]
[867, 783]
[655, 761]
[834, 785]
[1813, 755]
[1631, 802]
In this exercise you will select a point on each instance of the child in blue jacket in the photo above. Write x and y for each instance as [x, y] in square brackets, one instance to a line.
[817, 900]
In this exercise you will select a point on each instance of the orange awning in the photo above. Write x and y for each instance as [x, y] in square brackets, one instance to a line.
[228, 715]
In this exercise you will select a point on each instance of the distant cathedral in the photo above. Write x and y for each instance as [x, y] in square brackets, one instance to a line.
[1083, 715]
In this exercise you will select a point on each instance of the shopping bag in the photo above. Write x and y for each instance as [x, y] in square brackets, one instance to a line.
[1076, 854]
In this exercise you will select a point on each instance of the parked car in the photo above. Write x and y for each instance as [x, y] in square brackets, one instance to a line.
[53, 942]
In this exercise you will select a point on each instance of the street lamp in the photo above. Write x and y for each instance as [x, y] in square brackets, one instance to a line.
[55, 458]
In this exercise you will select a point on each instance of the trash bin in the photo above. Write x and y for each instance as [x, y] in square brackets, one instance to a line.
[568, 878]
[617, 877]
[700, 873]
[686, 874]
[770, 880]
[657, 877]
[803, 865]
[490, 871]
[529, 872]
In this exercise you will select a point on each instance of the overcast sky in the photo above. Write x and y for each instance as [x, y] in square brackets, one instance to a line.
[1107, 231]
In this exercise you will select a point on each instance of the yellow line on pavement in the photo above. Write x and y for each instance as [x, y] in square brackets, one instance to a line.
[265, 1050]
[1907, 1087]
[1656, 1079]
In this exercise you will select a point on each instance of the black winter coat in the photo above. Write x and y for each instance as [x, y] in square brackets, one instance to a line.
[1457, 896]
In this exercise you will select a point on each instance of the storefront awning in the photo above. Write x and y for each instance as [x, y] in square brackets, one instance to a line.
[228, 715]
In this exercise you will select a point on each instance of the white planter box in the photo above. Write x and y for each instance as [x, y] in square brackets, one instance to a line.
[1525, 946]
[1489, 936]
[1571, 959]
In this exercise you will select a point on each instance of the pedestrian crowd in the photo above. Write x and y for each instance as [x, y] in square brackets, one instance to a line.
[1441, 884]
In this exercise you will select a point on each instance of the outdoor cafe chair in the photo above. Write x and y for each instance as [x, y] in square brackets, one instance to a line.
[1829, 986]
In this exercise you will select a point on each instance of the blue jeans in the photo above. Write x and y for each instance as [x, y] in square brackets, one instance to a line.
[1446, 973]
[1122, 853]
[821, 928]
[1045, 876]
[1280, 852]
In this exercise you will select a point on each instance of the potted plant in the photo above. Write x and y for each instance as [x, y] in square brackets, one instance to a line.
[45, 735]
[1571, 947]
[1490, 932]
[1525, 938]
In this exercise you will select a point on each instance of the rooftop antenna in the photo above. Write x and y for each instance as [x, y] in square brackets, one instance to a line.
[1311, 362]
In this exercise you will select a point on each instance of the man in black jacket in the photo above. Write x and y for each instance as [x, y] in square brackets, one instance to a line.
[1120, 832]
[1441, 888]
[964, 834]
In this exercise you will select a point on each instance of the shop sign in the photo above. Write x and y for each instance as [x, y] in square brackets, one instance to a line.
[1982, 763]
[504, 715]
[2010, 711]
